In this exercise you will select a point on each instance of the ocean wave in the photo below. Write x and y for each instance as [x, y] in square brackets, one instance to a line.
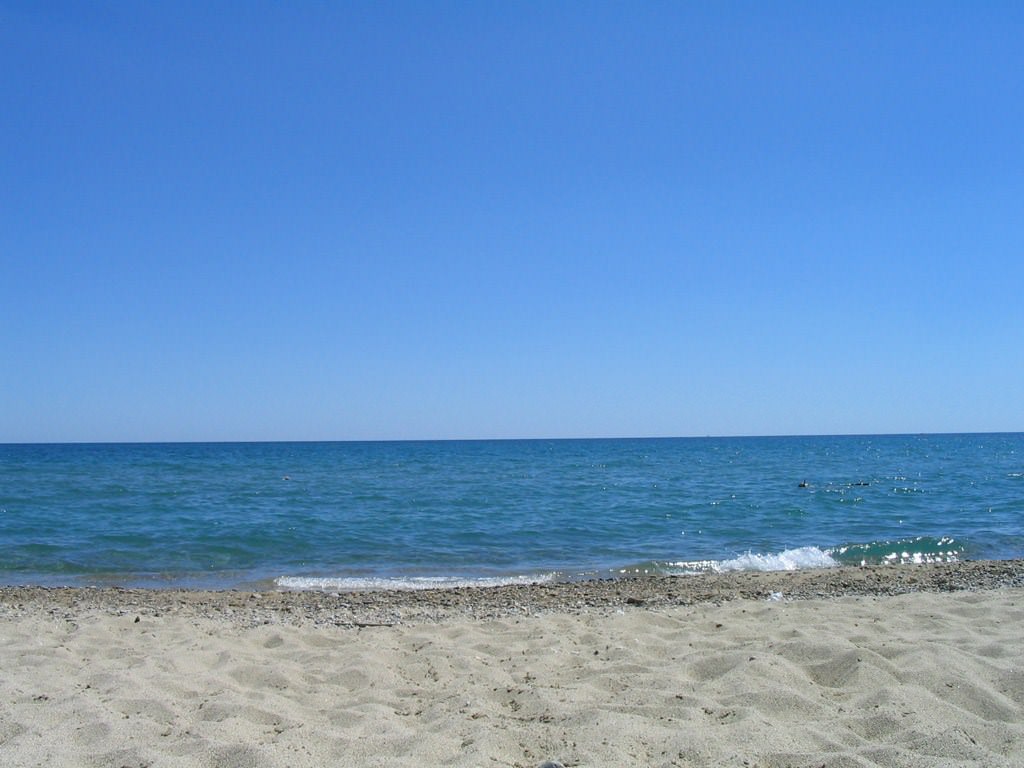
[915, 550]
[369, 583]
[787, 560]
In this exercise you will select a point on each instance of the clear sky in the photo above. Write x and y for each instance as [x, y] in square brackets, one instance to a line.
[319, 220]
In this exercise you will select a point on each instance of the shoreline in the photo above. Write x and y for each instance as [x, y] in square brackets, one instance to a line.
[396, 607]
[854, 667]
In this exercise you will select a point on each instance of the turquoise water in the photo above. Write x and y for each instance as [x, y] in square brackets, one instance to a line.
[342, 515]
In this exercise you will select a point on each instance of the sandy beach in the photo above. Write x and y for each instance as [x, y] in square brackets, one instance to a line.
[891, 666]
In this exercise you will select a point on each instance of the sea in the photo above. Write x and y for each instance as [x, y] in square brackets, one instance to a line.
[368, 515]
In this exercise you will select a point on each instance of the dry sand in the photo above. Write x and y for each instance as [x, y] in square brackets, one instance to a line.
[920, 666]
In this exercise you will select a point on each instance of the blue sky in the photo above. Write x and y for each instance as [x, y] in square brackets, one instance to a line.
[259, 221]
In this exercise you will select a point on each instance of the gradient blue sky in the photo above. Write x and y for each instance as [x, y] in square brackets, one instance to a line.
[257, 221]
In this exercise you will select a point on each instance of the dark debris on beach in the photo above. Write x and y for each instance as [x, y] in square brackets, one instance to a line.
[366, 609]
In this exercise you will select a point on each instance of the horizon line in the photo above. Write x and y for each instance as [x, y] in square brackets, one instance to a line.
[508, 439]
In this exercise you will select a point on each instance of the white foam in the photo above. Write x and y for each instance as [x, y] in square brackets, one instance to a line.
[358, 584]
[788, 560]
[694, 567]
